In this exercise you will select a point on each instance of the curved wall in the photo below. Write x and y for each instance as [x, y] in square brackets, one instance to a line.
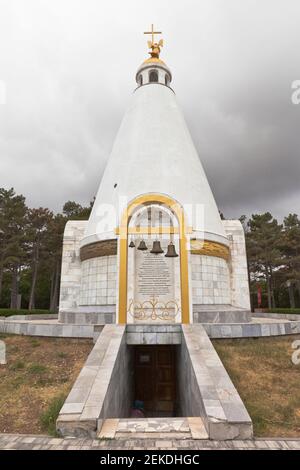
[98, 281]
[210, 280]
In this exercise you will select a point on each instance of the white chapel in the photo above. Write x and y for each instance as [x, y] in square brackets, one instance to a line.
[154, 249]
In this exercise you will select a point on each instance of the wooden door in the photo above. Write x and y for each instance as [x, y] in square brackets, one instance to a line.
[155, 379]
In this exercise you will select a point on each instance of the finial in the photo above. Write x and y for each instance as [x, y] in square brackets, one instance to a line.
[154, 46]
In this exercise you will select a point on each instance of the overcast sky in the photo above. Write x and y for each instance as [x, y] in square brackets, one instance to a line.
[68, 67]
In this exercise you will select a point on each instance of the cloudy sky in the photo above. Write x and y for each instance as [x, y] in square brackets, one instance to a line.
[67, 72]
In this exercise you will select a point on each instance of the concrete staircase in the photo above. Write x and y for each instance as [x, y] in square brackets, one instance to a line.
[102, 396]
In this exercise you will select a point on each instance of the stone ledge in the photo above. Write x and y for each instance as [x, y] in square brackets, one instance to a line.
[42, 316]
[251, 330]
[201, 315]
[221, 407]
[34, 328]
[87, 318]
[277, 316]
[153, 334]
[84, 408]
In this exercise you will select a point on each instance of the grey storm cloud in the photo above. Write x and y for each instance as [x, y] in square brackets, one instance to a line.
[68, 70]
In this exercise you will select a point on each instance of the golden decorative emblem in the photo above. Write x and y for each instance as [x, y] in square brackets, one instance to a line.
[154, 309]
[154, 46]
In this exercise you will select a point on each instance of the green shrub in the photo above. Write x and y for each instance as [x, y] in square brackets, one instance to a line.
[49, 416]
[7, 312]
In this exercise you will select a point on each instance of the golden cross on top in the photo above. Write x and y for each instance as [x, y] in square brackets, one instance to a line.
[152, 32]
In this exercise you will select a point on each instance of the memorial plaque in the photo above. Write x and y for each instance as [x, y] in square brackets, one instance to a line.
[154, 278]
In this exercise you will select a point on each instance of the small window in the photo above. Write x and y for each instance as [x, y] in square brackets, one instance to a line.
[153, 76]
[141, 80]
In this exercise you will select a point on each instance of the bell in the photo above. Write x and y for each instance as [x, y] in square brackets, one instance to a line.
[156, 249]
[131, 244]
[171, 253]
[142, 246]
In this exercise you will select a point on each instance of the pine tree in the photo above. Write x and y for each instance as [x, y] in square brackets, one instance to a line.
[38, 224]
[263, 248]
[13, 211]
[291, 255]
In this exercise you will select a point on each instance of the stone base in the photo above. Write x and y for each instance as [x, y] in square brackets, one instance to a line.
[220, 314]
[86, 315]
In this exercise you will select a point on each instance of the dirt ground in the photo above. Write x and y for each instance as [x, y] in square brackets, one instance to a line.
[38, 370]
[267, 380]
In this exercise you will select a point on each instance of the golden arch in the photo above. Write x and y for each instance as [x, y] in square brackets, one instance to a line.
[177, 209]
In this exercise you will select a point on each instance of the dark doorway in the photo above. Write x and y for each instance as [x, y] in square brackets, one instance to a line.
[155, 379]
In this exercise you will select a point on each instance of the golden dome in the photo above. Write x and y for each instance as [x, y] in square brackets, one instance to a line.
[154, 60]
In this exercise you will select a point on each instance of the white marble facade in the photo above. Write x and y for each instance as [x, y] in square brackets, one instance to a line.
[98, 281]
[210, 280]
[93, 282]
[71, 269]
[239, 284]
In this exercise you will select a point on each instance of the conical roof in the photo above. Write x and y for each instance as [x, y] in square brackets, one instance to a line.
[154, 153]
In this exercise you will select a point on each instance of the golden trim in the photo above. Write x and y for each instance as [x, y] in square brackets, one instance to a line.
[154, 309]
[123, 234]
[99, 249]
[154, 60]
[209, 248]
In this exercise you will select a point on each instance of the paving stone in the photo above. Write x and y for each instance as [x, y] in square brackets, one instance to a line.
[198, 430]
[261, 445]
[109, 429]
[273, 444]
[163, 444]
[294, 444]
[44, 443]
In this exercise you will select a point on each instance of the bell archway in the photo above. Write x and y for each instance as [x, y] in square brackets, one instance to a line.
[153, 262]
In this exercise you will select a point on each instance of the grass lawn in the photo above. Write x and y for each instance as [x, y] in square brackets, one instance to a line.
[36, 379]
[267, 381]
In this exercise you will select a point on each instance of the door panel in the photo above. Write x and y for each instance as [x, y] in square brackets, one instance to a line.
[155, 378]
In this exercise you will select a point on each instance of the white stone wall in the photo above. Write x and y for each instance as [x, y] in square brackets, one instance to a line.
[71, 264]
[210, 280]
[240, 296]
[99, 281]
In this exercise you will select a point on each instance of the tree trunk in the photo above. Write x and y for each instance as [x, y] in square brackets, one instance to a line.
[1, 273]
[14, 288]
[291, 296]
[298, 287]
[268, 288]
[54, 300]
[273, 298]
[272, 288]
[249, 284]
[31, 305]
[1, 279]
[51, 288]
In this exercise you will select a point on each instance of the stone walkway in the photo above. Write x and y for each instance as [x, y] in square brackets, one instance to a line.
[27, 442]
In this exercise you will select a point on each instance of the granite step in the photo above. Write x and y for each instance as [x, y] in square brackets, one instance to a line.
[157, 428]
